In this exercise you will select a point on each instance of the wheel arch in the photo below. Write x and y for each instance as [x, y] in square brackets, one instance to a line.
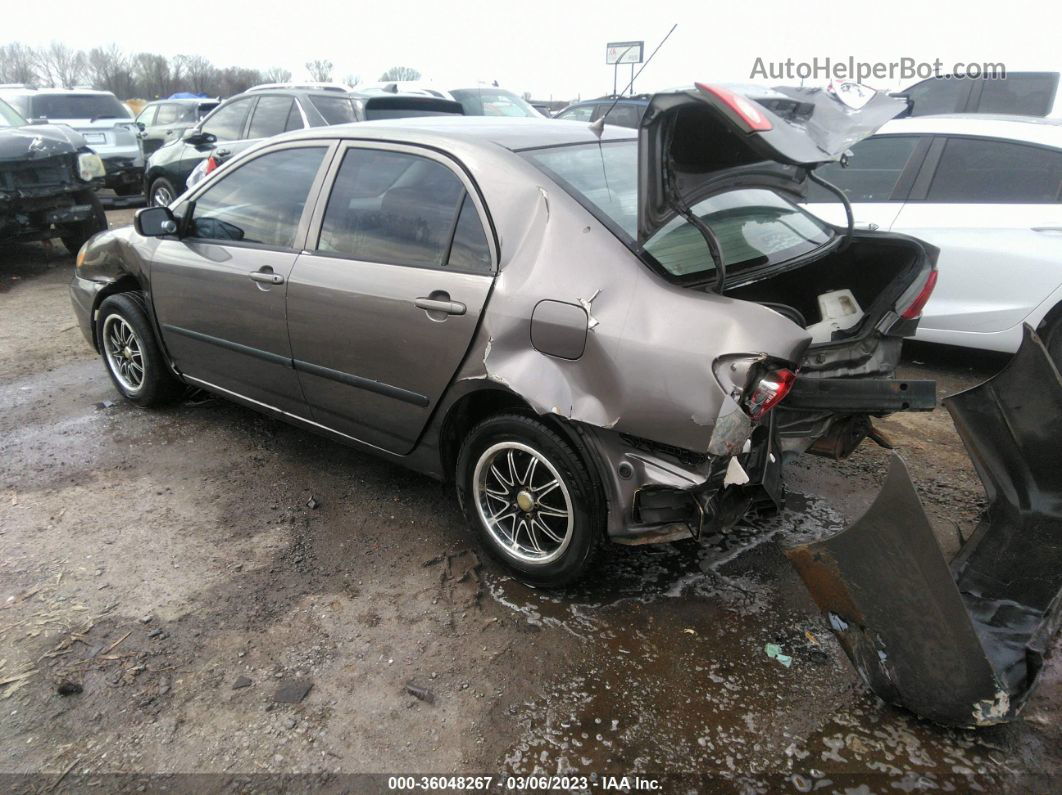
[125, 283]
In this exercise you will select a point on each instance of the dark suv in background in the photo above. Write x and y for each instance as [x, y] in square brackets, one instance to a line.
[1017, 94]
[627, 110]
[166, 120]
[256, 114]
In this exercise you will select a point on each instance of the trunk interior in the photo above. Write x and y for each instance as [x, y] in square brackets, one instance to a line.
[838, 296]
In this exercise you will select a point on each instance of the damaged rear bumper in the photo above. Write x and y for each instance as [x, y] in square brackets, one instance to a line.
[959, 643]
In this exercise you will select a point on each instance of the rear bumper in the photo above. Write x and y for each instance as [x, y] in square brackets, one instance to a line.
[123, 170]
[959, 643]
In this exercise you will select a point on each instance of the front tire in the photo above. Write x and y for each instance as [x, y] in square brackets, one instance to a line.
[161, 193]
[131, 353]
[530, 498]
[76, 235]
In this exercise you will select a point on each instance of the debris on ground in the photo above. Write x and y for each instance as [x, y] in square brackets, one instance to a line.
[313, 503]
[241, 682]
[774, 651]
[68, 688]
[460, 578]
[421, 693]
[292, 691]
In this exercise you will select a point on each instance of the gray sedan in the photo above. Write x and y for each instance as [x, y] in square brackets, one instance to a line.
[596, 334]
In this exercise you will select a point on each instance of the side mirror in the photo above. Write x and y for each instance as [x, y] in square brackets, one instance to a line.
[198, 137]
[141, 126]
[155, 222]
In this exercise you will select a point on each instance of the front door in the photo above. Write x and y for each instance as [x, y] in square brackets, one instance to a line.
[383, 306]
[219, 289]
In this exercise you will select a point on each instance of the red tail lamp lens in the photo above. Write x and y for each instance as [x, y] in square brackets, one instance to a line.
[914, 309]
[211, 164]
[769, 392]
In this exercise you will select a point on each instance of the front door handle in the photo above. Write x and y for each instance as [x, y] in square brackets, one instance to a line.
[437, 305]
[266, 276]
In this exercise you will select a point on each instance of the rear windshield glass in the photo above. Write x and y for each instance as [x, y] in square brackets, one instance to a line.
[336, 110]
[79, 106]
[755, 227]
[492, 102]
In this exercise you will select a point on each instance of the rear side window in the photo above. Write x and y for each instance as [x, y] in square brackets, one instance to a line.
[226, 124]
[260, 202]
[581, 113]
[402, 209]
[1022, 95]
[270, 117]
[336, 110]
[623, 115]
[939, 95]
[873, 170]
[973, 170]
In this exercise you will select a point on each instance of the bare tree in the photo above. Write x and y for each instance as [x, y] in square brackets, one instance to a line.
[321, 71]
[152, 74]
[60, 66]
[107, 68]
[17, 64]
[236, 80]
[400, 73]
[277, 75]
[352, 80]
[199, 74]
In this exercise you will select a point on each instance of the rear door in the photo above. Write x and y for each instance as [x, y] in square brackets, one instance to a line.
[876, 180]
[384, 303]
[219, 289]
[993, 208]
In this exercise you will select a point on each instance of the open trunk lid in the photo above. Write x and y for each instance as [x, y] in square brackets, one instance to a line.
[695, 141]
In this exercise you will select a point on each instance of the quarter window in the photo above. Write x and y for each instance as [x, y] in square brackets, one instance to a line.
[623, 115]
[336, 110]
[261, 202]
[226, 124]
[873, 170]
[402, 209]
[975, 170]
[270, 117]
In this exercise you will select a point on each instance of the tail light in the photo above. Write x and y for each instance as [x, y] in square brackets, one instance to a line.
[745, 108]
[768, 392]
[211, 164]
[914, 309]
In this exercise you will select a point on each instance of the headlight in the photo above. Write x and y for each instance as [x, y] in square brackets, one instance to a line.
[89, 166]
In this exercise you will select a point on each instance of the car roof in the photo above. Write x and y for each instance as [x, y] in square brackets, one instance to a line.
[1030, 129]
[510, 133]
[185, 101]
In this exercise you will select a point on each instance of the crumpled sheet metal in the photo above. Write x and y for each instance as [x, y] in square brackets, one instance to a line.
[961, 644]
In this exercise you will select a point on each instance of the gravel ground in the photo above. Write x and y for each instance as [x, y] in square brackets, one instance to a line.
[218, 592]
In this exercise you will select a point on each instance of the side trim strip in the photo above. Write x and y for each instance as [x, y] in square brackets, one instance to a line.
[258, 353]
[379, 387]
[356, 381]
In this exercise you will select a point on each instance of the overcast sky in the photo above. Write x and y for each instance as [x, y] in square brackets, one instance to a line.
[546, 47]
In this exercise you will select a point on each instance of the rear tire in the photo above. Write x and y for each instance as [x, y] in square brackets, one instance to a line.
[126, 190]
[1052, 337]
[530, 498]
[131, 353]
[76, 235]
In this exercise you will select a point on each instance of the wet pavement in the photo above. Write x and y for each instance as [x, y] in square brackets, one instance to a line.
[199, 519]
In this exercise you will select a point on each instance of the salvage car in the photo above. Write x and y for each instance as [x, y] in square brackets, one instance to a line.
[600, 335]
[164, 121]
[261, 113]
[48, 183]
[985, 190]
[104, 122]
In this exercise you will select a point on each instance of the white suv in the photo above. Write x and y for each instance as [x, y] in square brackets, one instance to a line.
[105, 123]
[987, 191]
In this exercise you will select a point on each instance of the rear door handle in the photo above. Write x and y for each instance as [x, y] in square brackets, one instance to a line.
[266, 277]
[435, 305]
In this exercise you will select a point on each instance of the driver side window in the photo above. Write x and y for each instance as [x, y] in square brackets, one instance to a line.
[226, 124]
[260, 202]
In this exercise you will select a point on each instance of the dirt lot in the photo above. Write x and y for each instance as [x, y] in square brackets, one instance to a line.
[179, 568]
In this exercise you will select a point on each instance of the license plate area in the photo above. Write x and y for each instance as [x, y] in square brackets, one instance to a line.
[95, 138]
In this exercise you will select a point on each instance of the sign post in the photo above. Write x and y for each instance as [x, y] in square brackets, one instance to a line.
[629, 52]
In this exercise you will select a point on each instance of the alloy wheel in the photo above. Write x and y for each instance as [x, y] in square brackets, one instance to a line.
[523, 502]
[161, 196]
[124, 352]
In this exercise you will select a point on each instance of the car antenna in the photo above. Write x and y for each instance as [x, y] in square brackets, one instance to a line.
[599, 125]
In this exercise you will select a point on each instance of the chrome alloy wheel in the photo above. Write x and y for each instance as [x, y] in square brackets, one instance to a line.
[161, 196]
[523, 502]
[124, 352]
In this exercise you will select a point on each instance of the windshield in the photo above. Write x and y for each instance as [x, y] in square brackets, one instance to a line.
[492, 102]
[78, 106]
[755, 226]
[8, 116]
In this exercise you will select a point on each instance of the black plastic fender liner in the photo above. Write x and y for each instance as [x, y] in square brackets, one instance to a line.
[960, 644]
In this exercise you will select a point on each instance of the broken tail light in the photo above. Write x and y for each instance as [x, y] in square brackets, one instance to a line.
[914, 309]
[768, 392]
[745, 108]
